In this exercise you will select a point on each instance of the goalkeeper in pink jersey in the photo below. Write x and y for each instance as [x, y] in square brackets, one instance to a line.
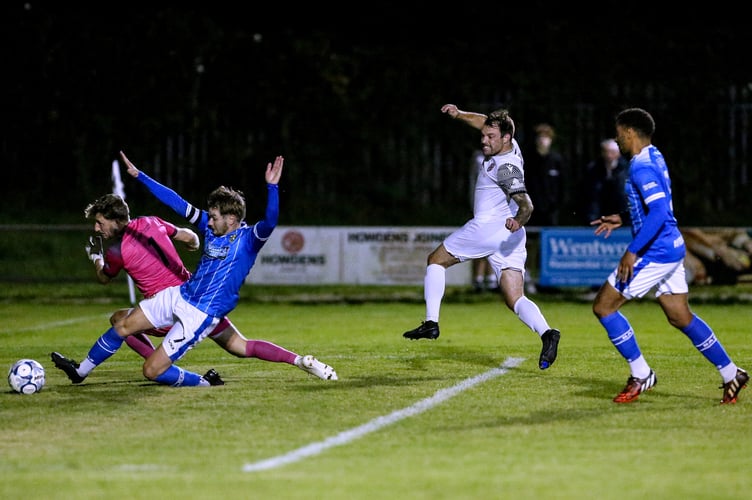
[144, 248]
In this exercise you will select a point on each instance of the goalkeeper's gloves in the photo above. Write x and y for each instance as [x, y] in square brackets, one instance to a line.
[94, 249]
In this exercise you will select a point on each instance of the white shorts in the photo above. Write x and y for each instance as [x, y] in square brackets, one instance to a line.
[189, 325]
[666, 278]
[476, 239]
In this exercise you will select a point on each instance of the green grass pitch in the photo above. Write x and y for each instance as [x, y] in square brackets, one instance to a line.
[468, 416]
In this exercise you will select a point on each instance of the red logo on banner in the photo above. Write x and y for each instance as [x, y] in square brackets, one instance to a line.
[293, 241]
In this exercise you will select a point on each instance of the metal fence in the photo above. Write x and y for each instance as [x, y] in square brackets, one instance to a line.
[415, 171]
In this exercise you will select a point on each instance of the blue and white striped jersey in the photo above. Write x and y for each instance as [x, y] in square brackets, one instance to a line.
[226, 260]
[655, 231]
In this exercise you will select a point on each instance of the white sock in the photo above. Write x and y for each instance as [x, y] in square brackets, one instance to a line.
[530, 314]
[86, 366]
[640, 368]
[434, 285]
[728, 372]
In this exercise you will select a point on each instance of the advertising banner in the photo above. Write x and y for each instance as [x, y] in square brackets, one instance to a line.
[351, 255]
[576, 257]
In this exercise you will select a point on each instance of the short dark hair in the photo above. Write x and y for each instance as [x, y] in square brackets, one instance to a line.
[228, 201]
[111, 206]
[637, 119]
[500, 119]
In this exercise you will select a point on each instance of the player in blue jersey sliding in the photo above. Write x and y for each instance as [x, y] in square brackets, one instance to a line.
[194, 308]
[154, 267]
[653, 259]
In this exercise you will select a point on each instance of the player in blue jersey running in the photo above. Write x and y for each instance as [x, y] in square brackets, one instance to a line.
[194, 308]
[653, 259]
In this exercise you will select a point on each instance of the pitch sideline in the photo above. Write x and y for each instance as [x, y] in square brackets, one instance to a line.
[355, 433]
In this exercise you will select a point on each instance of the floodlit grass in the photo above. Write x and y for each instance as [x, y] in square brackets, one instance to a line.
[407, 419]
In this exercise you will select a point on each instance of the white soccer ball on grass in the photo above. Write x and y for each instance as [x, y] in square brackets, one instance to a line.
[26, 376]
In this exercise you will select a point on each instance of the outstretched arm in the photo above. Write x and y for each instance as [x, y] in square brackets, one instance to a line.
[274, 170]
[475, 120]
[129, 166]
[165, 194]
[265, 227]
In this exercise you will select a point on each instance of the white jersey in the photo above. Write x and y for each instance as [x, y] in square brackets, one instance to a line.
[498, 178]
[485, 235]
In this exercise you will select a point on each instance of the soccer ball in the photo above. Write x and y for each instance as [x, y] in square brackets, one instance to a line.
[26, 376]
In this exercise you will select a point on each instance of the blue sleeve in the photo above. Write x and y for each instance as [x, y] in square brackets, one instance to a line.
[173, 200]
[658, 211]
[265, 227]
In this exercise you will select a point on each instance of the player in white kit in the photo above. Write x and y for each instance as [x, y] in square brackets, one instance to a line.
[501, 208]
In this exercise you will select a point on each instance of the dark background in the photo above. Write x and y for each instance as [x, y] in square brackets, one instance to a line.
[199, 97]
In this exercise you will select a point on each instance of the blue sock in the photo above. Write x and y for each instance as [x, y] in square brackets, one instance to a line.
[105, 346]
[620, 334]
[706, 342]
[177, 377]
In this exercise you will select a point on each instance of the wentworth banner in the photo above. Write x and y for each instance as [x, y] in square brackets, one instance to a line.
[576, 257]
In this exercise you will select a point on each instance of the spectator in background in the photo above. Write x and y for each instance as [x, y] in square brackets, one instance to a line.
[603, 185]
[544, 168]
[484, 279]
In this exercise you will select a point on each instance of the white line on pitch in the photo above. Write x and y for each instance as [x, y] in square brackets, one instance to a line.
[54, 324]
[346, 436]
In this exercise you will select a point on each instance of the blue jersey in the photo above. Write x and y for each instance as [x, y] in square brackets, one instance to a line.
[655, 231]
[226, 260]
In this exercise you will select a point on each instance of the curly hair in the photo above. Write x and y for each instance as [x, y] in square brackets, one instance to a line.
[111, 206]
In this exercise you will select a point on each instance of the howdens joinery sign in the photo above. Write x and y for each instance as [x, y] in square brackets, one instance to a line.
[351, 255]
[397, 256]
